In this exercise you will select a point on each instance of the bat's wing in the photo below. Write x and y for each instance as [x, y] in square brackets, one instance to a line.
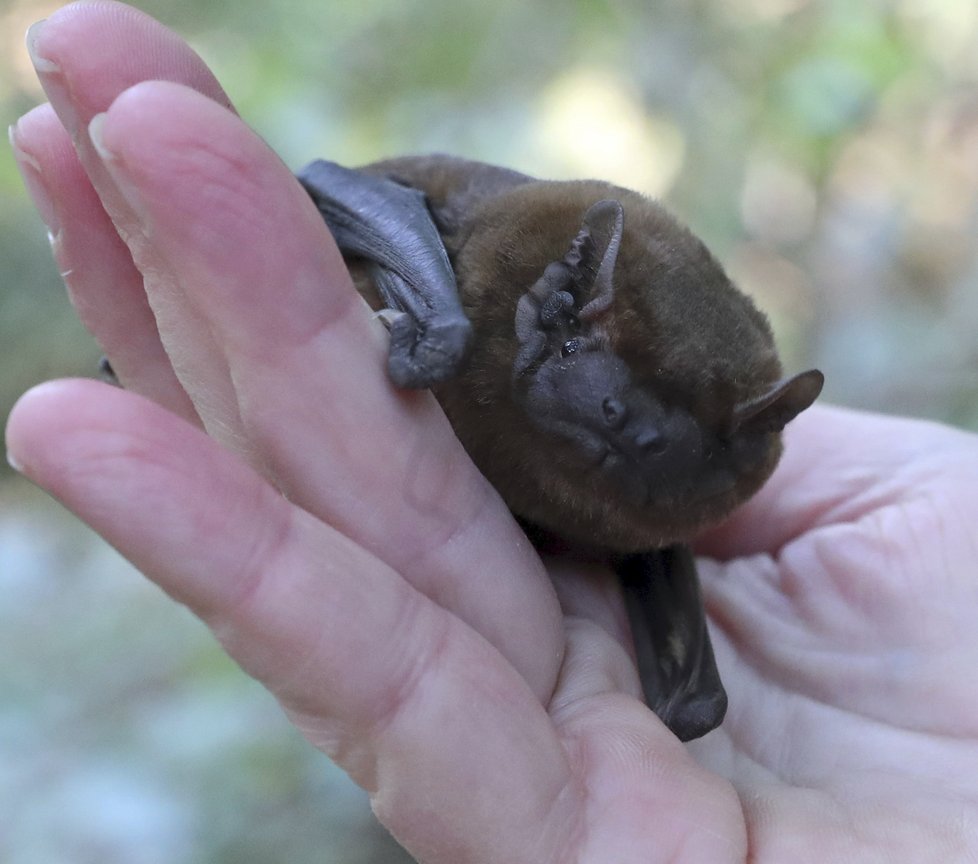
[389, 225]
[675, 658]
[454, 188]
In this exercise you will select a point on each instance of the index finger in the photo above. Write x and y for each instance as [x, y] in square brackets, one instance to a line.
[85, 54]
[306, 368]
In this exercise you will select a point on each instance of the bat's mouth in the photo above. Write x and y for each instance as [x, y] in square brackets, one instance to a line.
[660, 481]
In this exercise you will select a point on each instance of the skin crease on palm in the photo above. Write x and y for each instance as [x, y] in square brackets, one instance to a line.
[348, 555]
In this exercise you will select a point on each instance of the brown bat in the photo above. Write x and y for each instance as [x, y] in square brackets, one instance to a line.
[596, 363]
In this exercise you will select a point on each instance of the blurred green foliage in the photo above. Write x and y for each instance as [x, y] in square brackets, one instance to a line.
[826, 150]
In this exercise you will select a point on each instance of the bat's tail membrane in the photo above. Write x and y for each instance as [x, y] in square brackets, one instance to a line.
[672, 646]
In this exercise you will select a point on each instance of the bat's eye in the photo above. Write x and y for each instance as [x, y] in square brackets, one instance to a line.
[573, 324]
[569, 347]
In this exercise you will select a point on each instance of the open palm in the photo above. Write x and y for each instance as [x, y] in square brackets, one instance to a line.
[343, 548]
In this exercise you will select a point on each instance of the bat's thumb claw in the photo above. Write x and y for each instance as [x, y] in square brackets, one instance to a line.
[389, 317]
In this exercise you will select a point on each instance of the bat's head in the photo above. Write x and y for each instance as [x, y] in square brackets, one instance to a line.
[652, 396]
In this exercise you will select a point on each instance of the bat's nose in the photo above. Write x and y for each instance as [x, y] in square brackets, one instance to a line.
[642, 441]
[615, 412]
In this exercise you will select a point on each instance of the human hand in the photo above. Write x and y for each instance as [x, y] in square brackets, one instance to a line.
[336, 538]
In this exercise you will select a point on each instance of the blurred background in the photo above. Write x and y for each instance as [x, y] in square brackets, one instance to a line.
[827, 151]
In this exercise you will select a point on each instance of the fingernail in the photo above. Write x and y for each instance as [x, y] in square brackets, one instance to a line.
[41, 64]
[95, 133]
[13, 463]
[30, 170]
[116, 168]
[52, 80]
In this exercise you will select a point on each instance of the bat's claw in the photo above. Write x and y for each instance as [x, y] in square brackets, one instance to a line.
[421, 356]
[388, 317]
[107, 373]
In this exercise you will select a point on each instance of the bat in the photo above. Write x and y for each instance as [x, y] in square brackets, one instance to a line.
[596, 363]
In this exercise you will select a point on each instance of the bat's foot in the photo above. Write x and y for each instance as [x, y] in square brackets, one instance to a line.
[421, 356]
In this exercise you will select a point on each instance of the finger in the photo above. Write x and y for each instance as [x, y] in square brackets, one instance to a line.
[592, 592]
[85, 55]
[105, 287]
[649, 799]
[408, 699]
[307, 364]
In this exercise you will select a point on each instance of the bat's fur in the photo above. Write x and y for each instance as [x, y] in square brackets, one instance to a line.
[617, 389]
[685, 331]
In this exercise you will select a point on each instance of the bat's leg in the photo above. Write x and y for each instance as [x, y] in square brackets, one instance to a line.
[389, 225]
[672, 646]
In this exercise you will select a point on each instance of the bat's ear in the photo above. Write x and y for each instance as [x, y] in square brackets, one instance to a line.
[593, 254]
[577, 288]
[780, 404]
